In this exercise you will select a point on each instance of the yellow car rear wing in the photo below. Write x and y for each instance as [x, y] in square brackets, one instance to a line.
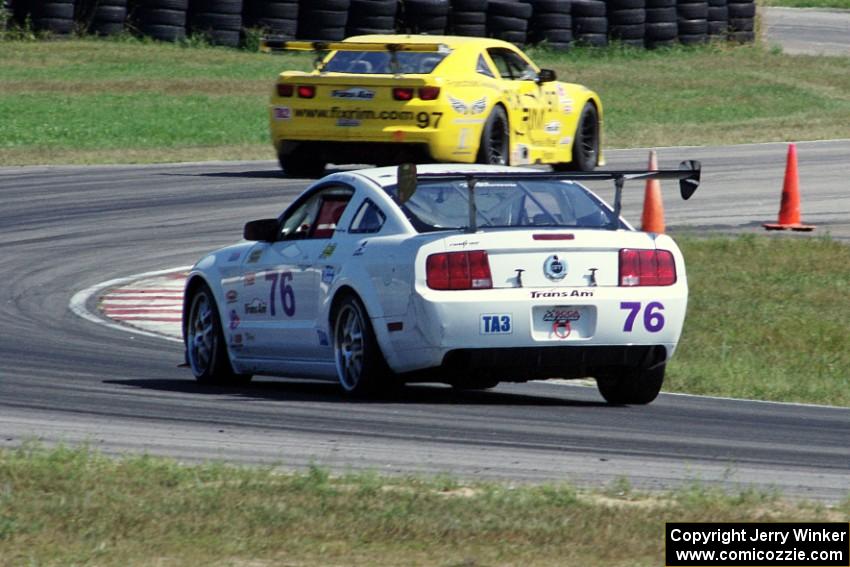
[273, 45]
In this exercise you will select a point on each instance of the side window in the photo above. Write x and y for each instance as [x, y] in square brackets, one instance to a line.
[317, 216]
[368, 219]
[511, 65]
[483, 68]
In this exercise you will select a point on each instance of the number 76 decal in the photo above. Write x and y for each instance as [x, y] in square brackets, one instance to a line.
[653, 320]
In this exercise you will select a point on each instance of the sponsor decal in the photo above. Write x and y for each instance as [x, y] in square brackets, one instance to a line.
[254, 256]
[234, 320]
[234, 256]
[323, 337]
[347, 122]
[556, 294]
[561, 313]
[282, 113]
[465, 243]
[553, 127]
[423, 119]
[236, 341]
[256, 307]
[328, 251]
[567, 105]
[231, 296]
[554, 268]
[361, 248]
[468, 120]
[565, 141]
[250, 337]
[495, 324]
[468, 108]
[354, 92]
[250, 278]
[328, 275]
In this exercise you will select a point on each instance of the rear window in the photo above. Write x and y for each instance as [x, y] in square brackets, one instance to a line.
[444, 205]
[379, 62]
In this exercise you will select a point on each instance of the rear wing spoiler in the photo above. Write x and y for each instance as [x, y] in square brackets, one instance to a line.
[688, 175]
[273, 44]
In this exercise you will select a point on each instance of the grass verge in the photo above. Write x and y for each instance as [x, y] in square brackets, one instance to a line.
[100, 101]
[767, 319]
[74, 507]
[828, 4]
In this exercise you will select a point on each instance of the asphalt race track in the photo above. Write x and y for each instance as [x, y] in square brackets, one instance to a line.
[63, 378]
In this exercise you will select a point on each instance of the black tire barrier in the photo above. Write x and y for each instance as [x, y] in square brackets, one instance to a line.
[508, 20]
[627, 22]
[371, 16]
[55, 17]
[219, 21]
[590, 22]
[469, 5]
[551, 23]
[278, 18]
[163, 20]
[661, 27]
[692, 21]
[105, 17]
[322, 19]
[718, 18]
[425, 16]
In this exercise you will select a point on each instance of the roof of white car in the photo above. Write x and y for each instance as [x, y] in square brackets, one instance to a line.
[386, 176]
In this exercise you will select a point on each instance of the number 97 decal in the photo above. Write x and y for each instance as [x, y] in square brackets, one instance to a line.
[653, 319]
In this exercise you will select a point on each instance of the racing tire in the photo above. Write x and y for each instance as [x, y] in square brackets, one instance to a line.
[301, 163]
[495, 139]
[718, 14]
[106, 28]
[586, 143]
[632, 387]
[360, 365]
[164, 33]
[551, 21]
[336, 5]
[741, 36]
[616, 5]
[554, 36]
[654, 4]
[206, 349]
[166, 5]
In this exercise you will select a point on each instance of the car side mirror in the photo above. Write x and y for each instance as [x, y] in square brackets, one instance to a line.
[546, 76]
[263, 230]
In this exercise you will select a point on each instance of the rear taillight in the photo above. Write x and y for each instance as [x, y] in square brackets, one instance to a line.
[458, 270]
[647, 267]
[285, 90]
[403, 93]
[429, 93]
[306, 91]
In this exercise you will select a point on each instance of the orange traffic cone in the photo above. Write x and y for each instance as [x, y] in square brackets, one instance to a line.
[789, 210]
[652, 219]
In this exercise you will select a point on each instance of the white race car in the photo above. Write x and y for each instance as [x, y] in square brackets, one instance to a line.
[463, 274]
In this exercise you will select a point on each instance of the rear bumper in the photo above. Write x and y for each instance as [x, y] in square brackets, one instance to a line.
[609, 328]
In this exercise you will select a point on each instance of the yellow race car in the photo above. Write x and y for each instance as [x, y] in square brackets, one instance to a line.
[387, 99]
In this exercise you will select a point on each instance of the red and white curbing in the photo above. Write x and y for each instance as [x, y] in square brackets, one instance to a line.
[149, 304]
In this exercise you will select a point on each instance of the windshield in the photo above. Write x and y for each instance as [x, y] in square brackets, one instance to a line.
[379, 62]
[444, 204]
